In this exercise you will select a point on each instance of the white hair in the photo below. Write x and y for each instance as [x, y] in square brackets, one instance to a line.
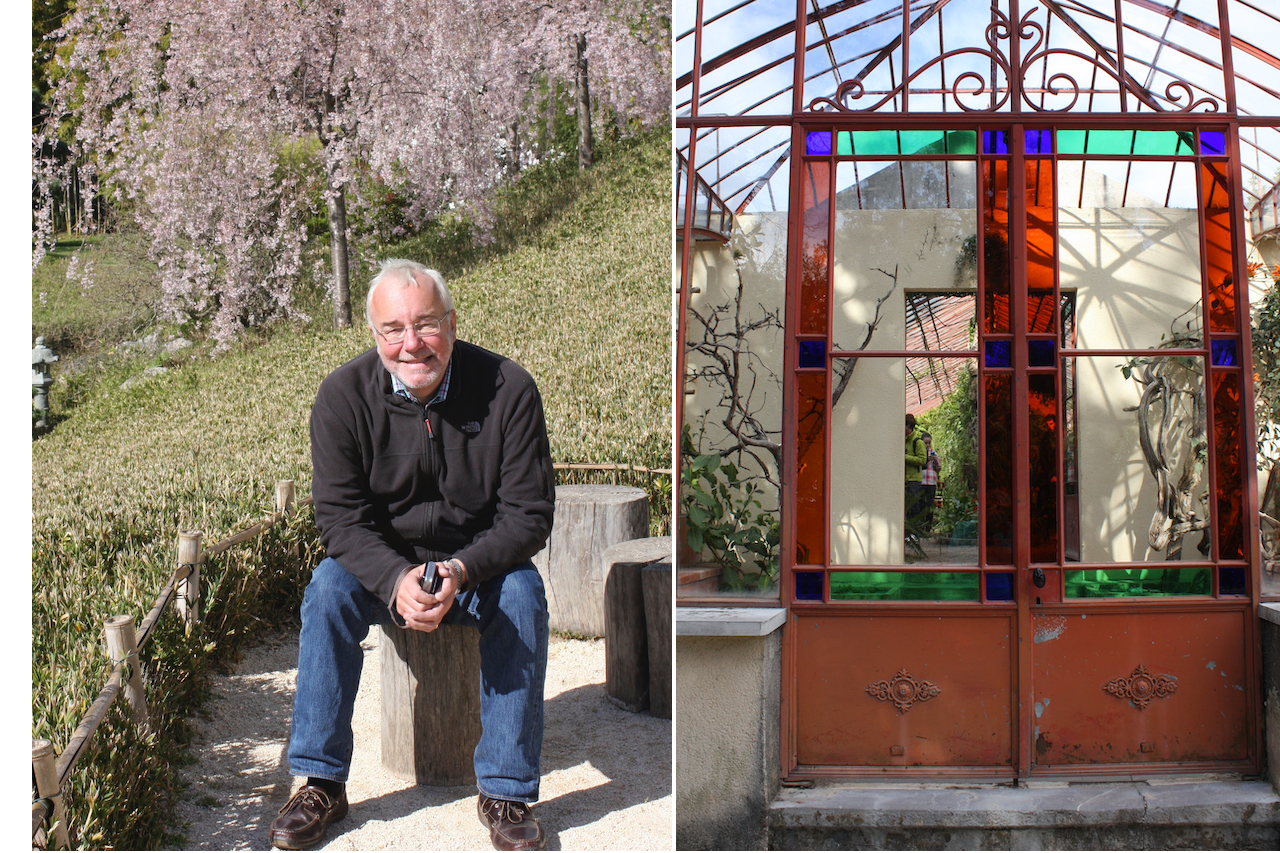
[403, 270]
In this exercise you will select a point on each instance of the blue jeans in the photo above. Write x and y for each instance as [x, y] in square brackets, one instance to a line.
[511, 613]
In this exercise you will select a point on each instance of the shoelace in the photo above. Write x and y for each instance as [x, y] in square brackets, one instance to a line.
[515, 812]
[317, 799]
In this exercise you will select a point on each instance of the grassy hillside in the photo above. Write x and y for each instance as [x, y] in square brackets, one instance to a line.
[583, 304]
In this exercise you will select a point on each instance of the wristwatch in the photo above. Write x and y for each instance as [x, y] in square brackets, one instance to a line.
[458, 572]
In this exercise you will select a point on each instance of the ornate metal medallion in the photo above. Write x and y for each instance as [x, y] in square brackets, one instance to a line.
[1141, 687]
[903, 690]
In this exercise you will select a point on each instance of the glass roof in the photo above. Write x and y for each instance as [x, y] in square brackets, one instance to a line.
[952, 58]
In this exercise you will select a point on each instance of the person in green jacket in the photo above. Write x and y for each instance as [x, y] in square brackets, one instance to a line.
[916, 457]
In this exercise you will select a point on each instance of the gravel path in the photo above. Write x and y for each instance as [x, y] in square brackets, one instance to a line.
[606, 773]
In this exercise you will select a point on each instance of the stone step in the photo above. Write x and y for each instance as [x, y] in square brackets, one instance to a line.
[1204, 813]
[697, 580]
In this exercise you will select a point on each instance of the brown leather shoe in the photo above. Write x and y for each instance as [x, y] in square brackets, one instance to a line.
[306, 817]
[512, 825]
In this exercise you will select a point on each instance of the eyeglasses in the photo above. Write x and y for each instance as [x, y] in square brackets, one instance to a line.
[424, 329]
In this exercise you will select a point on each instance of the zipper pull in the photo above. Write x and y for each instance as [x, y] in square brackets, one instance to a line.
[426, 419]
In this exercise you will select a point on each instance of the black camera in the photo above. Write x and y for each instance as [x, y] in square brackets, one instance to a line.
[431, 578]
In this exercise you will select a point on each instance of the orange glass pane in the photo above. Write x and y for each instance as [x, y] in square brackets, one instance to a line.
[999, 469]
[1218, 243]
[814, 247]
[1041, 238]
[1226, 430]
[1043, 420]
[995, 245]
[811, 467]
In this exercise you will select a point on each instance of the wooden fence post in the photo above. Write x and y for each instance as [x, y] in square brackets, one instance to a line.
[122, 645]
[284, 496]
[46, 773]
[189, 589]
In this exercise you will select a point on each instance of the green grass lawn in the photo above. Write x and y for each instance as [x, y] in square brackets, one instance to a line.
[583, 303]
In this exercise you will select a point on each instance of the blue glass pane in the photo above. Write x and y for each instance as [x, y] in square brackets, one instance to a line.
[818, 143]
[808, 586]
[1213, 142]
[1040, 353]
[1231, 581]
[1224, 353]
[999, 354]
[1039, 141]
[813, 353]
[995, 142]
[999, 586]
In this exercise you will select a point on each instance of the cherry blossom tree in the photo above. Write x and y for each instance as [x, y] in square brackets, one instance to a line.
[222, 125]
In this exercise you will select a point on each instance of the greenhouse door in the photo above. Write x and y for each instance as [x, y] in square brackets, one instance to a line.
[1075, 596]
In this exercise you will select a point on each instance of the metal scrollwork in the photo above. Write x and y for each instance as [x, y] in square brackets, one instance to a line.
[903, 690]
[972, 85]
[1140, 687]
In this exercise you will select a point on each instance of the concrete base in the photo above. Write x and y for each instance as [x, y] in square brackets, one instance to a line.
[1167, 815]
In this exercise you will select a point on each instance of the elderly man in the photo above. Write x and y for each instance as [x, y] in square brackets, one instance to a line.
[427, 450]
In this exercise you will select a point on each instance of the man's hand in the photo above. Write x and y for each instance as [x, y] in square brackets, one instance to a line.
[421, 610]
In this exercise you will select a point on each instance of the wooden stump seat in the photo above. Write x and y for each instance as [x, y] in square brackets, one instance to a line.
[431, 704]
[626, 635]
[589, 519]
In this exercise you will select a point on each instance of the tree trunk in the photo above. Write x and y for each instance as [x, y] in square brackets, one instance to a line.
[337, 205]
[584, 107]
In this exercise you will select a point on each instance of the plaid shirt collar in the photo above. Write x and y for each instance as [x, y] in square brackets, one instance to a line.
[441, 392]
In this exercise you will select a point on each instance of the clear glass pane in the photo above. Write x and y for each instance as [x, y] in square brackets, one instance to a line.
[737, 285]
[1129, 247]
[896, 500]
[900, 226]
[1135, 483]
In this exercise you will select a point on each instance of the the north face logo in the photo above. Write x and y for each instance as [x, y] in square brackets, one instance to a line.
[471, 427]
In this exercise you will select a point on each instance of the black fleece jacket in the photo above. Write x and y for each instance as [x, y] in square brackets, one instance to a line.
[396, 485]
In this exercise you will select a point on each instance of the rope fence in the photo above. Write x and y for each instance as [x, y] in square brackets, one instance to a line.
[50, 775]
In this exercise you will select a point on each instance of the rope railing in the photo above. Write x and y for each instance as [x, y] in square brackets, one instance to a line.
[50, 774]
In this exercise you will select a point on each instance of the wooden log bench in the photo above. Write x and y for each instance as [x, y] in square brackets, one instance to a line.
[589, 519]
[431, 704]
[656, 579]
[626, 643]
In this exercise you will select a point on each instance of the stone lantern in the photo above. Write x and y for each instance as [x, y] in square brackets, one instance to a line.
[41, 358]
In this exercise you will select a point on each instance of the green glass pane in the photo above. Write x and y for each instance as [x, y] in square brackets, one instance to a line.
[880, 142]
[1152, 142]
[905, 586]
[1118, 583]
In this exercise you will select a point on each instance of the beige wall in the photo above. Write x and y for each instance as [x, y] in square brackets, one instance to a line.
[728, 697]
